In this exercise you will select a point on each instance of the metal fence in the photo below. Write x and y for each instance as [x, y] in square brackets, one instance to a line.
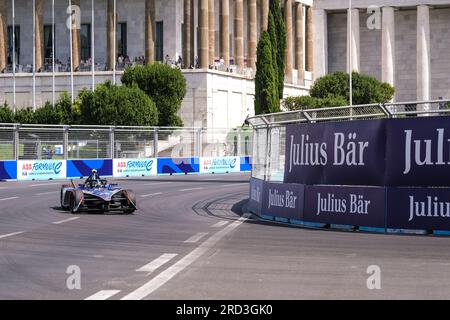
[268, 156]
[38, 142]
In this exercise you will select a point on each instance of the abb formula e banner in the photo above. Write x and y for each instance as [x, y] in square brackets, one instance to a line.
[387, 152]
[134, 167]
[220, 164]
[41, 169]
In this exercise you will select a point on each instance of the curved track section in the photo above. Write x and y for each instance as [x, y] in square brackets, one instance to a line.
[189, 241]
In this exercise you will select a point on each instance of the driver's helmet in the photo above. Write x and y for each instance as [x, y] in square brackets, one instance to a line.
[94, 171]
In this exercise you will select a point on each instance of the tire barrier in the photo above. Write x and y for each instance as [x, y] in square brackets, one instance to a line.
[63, 169]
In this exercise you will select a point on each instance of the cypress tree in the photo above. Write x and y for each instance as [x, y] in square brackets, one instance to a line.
[266, 97]
[280, 31]
[271, 29]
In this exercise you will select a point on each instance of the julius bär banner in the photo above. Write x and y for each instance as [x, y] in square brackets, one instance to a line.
[358, 206]
[418, 152]
[256, 192]
[349, 153]
[283, 200]
[418, 208]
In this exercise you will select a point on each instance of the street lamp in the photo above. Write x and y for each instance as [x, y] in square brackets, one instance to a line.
[350, 60]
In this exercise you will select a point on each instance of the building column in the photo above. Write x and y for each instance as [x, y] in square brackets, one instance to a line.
[353, 43]
[423, 53]
[388, 46]
[299, 43]
[188, 19]
[252, 33]
[76, 42]
[110, 35]
[316, 42]
[225, 31]
[3, 34]
[239, 33]
[212, 32]
[203, 28]
[264, 14]
[39, 16]
[320, 42]
[150, 31]
[288, 55]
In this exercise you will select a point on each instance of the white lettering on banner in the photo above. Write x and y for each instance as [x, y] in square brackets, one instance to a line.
[355, 204]
[287, 200]
[432, 207]
[347, 152]
[255, 193]
[420, 152]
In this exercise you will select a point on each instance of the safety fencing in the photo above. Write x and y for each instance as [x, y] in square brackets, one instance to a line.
[382, 168]
[42, 152]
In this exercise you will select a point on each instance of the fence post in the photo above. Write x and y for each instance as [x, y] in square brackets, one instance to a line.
[16, 142]
[268, 155]
[66, 142]
[155, 142]
[239, 141]
[199, 139]
[112, 142]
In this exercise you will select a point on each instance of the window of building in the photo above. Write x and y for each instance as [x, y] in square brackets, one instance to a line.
[122, 39]
[85, 39]
[10, 44]
[159, 41]
[48, 41]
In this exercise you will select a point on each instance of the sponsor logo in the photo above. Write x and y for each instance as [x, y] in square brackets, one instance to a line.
[430, 207]
[134, 166]
[354, 204]
[425, 152]
[282, 200]
[347, 150]
[255, 193]
[42, 168]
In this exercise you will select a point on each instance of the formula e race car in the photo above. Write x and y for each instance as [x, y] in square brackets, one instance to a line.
[97, 195]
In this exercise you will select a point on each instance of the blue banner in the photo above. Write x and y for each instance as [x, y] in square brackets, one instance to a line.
[83, 168]
[348, 153]
[246, 164]
[178, 165]
[418, 208]
[418, 152]
[283, 200]
[8, 170]
[256, 192]
[356, 206]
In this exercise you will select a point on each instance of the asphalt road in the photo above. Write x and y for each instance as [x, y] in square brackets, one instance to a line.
[188, 240]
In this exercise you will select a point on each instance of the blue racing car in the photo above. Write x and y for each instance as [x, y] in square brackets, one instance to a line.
[97, 195]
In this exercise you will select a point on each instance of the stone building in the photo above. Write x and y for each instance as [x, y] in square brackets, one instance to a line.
[219, 37]
[403, 42]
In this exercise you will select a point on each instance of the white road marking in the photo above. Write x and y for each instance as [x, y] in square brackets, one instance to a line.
[103, 295]
[219, 224]
[45, 184]
[45, 193]
[235, 184]
[158, 262]
[12, 198]
[66, 220]
[196, 237]
[151, 194]
[191, 189]
[162, 278]
[11, 234]
[156, 183]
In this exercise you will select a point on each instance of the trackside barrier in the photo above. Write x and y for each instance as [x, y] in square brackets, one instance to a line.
[129, 167]
[387, 172]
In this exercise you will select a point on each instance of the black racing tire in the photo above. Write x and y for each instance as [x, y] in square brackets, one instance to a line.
[74, 200]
